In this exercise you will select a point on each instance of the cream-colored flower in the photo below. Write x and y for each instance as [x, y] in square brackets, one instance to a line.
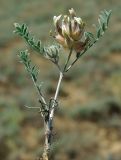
[69, 31]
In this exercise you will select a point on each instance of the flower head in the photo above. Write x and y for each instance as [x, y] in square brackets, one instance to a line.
[69, 31]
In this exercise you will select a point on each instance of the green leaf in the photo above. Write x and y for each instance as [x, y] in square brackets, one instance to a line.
[23, 27]
[51, 52]
[103, 27]
[99, 33]
[25, 30]
[108, 16]
[32, 69]
[103, 23]
[22, 30]
[38, 44]
[90, 36]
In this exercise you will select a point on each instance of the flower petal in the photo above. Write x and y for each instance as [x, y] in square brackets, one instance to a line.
[78, 20]
[56, 19]
[60, 40]
[73, 25]
[72, 12]
[57, 24]
[65, 26]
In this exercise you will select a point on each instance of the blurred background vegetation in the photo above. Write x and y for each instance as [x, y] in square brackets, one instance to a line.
[88, 123]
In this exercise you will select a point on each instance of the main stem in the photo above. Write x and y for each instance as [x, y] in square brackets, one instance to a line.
[49, 122]
[56, 95]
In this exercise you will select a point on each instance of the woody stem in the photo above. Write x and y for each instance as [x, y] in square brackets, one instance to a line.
[49, 122]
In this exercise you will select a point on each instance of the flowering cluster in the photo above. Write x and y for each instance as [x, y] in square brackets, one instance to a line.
[70, 31]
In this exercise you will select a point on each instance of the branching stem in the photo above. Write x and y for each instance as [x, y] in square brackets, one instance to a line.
[39, 91]
[66, 64]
